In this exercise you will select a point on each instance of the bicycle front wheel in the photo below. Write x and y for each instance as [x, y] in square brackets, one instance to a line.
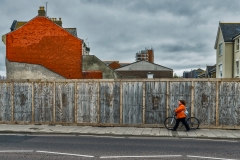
[193, 123]
[170, 123]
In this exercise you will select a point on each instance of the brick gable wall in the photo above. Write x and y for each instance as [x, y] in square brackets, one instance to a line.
[42, 42]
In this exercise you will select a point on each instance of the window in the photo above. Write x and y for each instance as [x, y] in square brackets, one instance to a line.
[220, 49]
[149, 75]
[237, 67]
[220, 70]
[237, 44]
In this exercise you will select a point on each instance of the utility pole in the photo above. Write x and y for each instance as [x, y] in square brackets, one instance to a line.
[46, 8]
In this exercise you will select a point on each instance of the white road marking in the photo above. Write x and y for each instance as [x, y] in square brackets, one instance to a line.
[15, 151]
[6, 134]
[154, 156]
[209, 157]
[67, 154]
[217, 140]
[107, 136]
[153, 138]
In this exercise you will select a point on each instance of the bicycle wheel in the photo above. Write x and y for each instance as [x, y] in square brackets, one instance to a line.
[193, 123]
[170, 123]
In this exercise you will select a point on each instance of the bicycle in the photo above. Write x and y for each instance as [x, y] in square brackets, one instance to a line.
[170, 122]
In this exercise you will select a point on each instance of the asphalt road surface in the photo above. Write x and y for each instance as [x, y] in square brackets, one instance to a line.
[36, 147]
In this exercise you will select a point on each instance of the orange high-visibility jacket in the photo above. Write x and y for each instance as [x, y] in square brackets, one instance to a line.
[180, 111]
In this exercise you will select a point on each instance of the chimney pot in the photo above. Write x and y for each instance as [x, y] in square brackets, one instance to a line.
[41, 11]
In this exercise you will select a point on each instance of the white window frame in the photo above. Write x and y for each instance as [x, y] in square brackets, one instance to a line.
[237, 67]
[220, 70]
[220, 49]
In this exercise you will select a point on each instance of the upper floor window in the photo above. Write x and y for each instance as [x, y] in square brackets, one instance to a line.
[150, 75]
[220, 70]
[220, 49]
[237, 44]
[237, 67]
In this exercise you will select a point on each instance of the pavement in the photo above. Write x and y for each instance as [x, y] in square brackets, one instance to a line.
[118, 131]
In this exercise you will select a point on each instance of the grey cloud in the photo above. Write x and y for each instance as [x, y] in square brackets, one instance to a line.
[183, 47]
[116, 30]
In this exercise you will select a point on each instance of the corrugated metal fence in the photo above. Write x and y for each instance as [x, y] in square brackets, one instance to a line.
[141, 102]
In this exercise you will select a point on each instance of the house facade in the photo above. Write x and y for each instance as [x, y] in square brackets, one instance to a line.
[210, 72]
[227, 50]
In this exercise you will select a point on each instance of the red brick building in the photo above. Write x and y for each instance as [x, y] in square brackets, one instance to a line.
[52, 50]
[145, 55]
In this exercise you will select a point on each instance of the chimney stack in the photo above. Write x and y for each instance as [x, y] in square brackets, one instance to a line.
[58, 22]
[41, 11]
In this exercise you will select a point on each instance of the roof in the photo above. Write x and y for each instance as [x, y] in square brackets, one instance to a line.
[199, 70]
[202, 74]
[143, 66]
[109, 62]
[17, 24]
[73, 31]
[229, 30]
[212, 70]
[124, 64]
[209, 68]
[13, 25]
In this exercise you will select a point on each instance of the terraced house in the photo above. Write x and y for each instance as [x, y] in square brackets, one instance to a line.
[227, 50]
[42, 49]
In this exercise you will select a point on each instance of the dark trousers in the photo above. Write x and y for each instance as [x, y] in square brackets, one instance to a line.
[183, 121]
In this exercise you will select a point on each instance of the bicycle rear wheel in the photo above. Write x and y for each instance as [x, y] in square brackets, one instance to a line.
[193, 123]
[170, 123]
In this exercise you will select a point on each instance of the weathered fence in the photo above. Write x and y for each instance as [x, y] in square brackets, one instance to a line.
[139, 102]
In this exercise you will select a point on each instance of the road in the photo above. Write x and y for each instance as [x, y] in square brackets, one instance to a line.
[29, 147]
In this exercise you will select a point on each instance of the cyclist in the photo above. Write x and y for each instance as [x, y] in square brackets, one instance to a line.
[181, 115]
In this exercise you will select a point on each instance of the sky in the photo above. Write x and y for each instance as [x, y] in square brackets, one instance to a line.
[181, 32]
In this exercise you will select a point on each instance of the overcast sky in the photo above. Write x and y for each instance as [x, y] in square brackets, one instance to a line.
[182, 32]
